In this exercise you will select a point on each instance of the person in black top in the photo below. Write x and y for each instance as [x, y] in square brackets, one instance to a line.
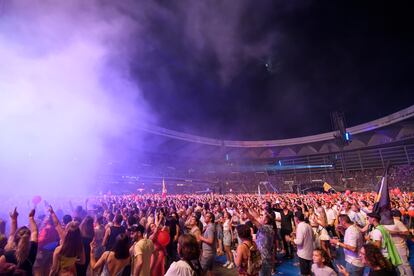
[21, 248]
[87, 234]
[112, 232]
[174, 231]
[286, 221]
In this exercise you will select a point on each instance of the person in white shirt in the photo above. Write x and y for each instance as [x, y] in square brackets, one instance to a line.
[279, 244]
[321, 238]
[358, 218]
[189, 252]
[331, 214]
[376, 235]
[304, 242]
[399, 233]
[353, 242]
[346, 209]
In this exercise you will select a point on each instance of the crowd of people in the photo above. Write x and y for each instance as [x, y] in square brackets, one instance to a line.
[238, 179]
[329, 234]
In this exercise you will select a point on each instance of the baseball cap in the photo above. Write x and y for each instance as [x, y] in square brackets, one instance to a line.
[374, 215]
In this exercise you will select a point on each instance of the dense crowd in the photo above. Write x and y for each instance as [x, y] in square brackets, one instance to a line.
[237, 179]
[329, 234]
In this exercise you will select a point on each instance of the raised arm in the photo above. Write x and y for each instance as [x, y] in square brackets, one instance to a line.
[96, 265]
[13, 218]
[57, 224]
[252, 217]
[13, 228]
[106, 236]
[154, 235]
[33, 227]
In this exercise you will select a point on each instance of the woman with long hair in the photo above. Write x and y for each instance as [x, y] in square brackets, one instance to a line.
[322, 264]
[244, 249]
[189, 252]
[87, 235]
[375, 260]
[193, 227]
[69, 253]
[21, 248]
[112, 262]
[312, 217]
[322, 219]
[372, 257]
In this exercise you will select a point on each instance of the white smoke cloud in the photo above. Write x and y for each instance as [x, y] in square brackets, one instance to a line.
[65, 91]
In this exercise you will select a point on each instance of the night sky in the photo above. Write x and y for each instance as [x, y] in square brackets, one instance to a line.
[252, 70]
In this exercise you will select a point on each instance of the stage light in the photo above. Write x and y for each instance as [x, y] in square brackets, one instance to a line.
[347, 136]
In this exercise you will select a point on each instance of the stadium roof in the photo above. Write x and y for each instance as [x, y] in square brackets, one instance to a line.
[394, 128]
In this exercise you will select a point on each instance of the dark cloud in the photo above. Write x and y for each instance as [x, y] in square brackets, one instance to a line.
[202, 64]
[204, 69]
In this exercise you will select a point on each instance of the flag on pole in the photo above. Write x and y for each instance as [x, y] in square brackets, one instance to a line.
[164, 190]
[327, 188]
[382, 205]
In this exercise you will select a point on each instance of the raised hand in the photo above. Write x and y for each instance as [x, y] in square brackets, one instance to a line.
[50, 209]
[32, 213]
[14, 214]
[93, 244]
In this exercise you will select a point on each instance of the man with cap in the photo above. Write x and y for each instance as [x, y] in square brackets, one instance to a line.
[375, 235]
[399, 233]
[141, 251]
[381, 238]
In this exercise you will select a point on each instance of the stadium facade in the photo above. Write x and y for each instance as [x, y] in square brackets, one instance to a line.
[191, 162]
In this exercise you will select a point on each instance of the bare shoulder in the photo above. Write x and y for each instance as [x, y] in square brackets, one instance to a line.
[57, 250]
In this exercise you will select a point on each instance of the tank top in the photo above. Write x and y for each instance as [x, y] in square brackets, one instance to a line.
[105, 271]
[226, 225]
[242, 269]
[67, 264]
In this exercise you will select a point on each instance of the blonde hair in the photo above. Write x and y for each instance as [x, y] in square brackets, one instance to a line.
[21, 244]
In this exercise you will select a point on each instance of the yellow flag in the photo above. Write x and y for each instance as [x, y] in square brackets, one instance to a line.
[327, 187]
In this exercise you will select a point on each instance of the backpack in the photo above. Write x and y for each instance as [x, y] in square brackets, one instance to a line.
[254, 261]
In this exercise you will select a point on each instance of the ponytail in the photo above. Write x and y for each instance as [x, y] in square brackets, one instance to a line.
[22, 246]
